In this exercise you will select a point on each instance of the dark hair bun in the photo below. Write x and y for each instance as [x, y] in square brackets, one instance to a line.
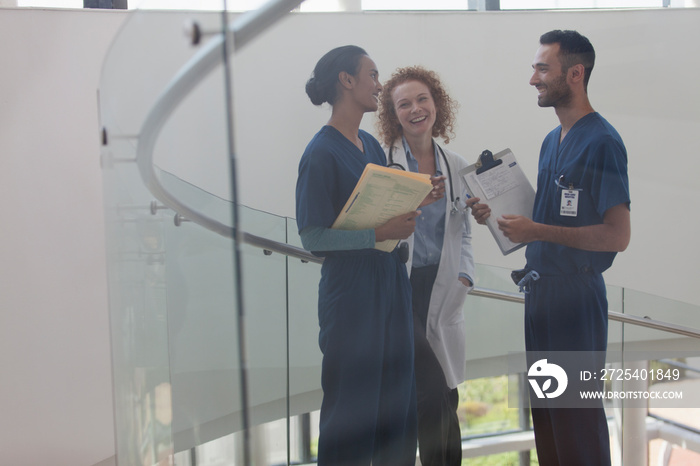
[313, 91]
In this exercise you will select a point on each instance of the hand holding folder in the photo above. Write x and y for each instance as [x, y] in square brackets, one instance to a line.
[499, 182]
[381, 194]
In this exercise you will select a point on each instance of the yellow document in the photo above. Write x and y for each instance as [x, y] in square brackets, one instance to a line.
[381, 194]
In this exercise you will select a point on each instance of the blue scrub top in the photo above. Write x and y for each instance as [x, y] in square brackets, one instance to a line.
[593, 160]
[328, 172]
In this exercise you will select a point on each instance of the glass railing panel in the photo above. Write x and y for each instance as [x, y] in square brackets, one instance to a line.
[662, 309]
[173, 306]
[658, 380]
[198, 338]
[209, 268]
[616, 304]
[614, 359]
[661, 365]
[204, 356]
[492, 325]
[218, 208]
[493, 330]
[304, 353]
[136, 254]
[265, 306]
[202, 304]
[632, 350]
[670, 362]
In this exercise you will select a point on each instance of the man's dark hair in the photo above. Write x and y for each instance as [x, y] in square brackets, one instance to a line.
[573, 49]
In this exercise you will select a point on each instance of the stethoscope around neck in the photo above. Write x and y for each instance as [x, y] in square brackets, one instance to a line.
[454, 201]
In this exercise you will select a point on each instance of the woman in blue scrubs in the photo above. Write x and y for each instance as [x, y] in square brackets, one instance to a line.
[368, 414]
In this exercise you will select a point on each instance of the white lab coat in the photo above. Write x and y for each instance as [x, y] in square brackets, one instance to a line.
[445, 329]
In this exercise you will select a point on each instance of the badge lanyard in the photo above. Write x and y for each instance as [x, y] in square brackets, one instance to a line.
[569, 198]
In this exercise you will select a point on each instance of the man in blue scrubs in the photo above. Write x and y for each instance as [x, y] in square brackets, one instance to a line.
[581, 219]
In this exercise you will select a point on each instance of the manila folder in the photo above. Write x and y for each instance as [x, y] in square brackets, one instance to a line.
[381, 194]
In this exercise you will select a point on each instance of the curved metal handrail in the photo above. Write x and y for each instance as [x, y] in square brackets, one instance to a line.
[281, 248]
[654, 324]
[243, 30]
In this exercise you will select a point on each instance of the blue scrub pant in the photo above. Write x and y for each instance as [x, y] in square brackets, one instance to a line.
[368, 412]
[569, 313]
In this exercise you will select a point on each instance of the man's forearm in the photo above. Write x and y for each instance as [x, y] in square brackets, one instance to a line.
[613, 235]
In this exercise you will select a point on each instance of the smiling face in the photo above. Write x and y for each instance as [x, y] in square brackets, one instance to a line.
[415, 108]
[549, 79]
[366, 85]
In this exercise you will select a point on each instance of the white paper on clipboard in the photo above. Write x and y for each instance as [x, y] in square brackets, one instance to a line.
[507, 191]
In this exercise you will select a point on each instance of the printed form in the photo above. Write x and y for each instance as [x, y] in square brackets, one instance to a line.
[381, 194]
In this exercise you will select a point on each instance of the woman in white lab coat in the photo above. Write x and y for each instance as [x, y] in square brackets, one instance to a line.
[415, 109]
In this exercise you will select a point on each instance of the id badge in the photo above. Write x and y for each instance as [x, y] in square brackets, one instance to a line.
[569, 203]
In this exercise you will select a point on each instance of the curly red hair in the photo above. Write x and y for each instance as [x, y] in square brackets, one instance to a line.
[388, 124]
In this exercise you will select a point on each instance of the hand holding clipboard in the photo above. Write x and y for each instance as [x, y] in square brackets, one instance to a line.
[500, 184]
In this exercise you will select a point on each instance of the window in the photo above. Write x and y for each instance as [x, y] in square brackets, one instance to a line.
[382, 5]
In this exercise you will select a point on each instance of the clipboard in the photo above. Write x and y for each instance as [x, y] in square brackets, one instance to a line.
[499, 182]
[382, 193]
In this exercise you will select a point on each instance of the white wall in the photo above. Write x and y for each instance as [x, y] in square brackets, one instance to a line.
[54, 350]
[55, 373]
